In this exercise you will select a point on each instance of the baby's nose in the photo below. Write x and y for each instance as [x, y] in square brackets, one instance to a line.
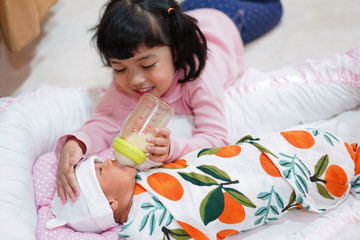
[108, 161]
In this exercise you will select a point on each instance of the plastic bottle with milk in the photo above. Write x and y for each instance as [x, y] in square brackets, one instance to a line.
[151, 112]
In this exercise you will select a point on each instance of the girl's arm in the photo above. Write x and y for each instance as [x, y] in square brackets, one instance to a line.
[100, 130]
[95, 135]
[209, 122]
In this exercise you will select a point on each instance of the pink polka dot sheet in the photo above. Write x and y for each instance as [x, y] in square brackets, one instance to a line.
[44, 175]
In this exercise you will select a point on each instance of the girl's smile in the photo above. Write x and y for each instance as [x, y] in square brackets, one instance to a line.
[149, 70]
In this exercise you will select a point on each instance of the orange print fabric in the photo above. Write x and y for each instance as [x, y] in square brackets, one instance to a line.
[216, 192]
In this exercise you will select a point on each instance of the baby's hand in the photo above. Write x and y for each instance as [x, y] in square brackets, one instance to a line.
[159, 151]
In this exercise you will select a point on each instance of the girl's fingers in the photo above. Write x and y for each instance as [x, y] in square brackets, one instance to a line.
[67, 184]
[163, 132]
[157, 150]
[64, 188]
[160, 145]
[70, 176]
[61, 192]
[157, 157]
[158, 142]
[71, 187]
[66, 180]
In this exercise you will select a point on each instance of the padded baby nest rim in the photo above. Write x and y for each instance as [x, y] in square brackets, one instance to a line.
[29, 127]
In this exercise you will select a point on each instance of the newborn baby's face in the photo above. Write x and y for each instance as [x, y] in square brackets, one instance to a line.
[115, 180]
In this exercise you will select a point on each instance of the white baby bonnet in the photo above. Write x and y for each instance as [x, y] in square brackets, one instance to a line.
[91, 212]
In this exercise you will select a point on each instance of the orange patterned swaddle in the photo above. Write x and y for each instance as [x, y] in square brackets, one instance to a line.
[212, 193]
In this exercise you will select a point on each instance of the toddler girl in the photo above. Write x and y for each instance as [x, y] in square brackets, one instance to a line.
[188, 59]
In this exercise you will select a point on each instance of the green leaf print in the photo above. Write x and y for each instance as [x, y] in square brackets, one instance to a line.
[123, 235]
[263, 149]
[315, 132]
[152, 223]
[321, 166]
[286, 173]
[169, 220]
[147, 205]
[328, 140]
[297, 171]
[292, 198]
[285, 163]
[157, 201]
[177, 234]
[245, 139]
[274, 209]
[291, 202]
[301, 167]
[198, 179]
[162, 217]
[258, 221]
[302, 183]
[356, 185]
[124, 227]
[269, 207]
[323, 191]
[143, 222]
[300, 200]
[215, 172]
[261, 211]
[264, 195]
[279, 200]
[326, 135]
[212, 205]
[329, 134]
[208, 151]
[251, 140]
[320, 169]
[239, 197]
[150, 217]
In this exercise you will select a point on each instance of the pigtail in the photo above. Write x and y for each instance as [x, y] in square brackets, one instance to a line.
[189, 44]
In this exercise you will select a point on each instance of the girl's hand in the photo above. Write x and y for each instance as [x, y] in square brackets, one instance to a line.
[66, 182]
[159, 151]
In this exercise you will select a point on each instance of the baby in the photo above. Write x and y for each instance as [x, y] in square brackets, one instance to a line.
[213, 193]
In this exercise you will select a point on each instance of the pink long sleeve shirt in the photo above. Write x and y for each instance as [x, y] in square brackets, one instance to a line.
[203, 97]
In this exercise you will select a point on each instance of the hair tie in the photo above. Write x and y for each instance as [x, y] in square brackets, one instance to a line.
[169, 10]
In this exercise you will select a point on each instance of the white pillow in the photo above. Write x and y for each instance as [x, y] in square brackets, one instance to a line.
[299, 93]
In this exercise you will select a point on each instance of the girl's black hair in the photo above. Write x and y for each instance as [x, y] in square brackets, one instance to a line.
[127, 25]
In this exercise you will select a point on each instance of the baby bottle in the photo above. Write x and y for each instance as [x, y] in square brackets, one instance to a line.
[151, 112]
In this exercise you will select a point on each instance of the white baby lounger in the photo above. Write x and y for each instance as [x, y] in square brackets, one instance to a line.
[260, 102]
